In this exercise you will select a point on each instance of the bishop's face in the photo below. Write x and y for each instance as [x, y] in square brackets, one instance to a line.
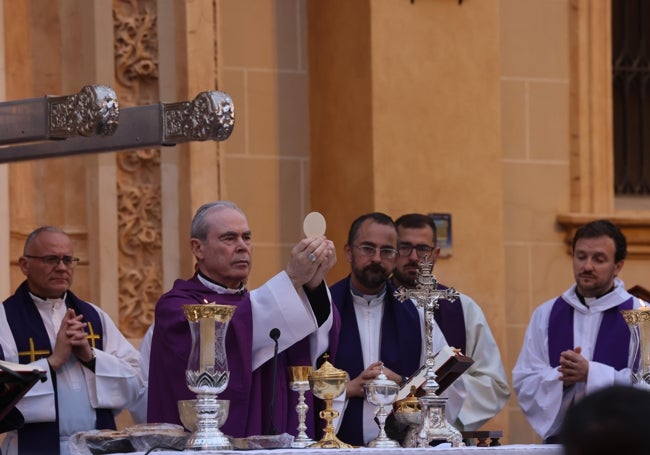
[594, 267]
[226, 254]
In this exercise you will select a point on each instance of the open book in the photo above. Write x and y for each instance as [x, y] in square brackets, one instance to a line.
[448, 365]
[15, 380]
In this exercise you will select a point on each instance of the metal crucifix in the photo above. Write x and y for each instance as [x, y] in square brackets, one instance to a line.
[426, 295]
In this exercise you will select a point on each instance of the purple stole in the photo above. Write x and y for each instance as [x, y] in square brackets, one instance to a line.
[401, 340]
[26, 325]
[451, 320]
[613, 341]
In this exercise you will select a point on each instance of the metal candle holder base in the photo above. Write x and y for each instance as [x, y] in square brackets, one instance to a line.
[208, 436]
[434, 425]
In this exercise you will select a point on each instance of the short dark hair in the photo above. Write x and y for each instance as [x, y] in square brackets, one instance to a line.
[600, 228]
[377, 217]
[610, 420]
[417, 221]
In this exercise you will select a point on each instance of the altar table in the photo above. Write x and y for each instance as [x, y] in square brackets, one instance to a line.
[515, 449]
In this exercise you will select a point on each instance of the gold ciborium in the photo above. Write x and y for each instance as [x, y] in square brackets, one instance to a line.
[300, 383]
[407, 412]
[328, 383]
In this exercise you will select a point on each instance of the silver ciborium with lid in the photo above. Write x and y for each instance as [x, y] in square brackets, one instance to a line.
[381, 392]
[207, 371]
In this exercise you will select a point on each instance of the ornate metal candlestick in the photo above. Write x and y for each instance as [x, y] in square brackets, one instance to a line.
[380, 392]
[300, 383]
[207, 371]
[638, 321]
[434, 426]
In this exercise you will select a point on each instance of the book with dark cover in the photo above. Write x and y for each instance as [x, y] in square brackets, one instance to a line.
[449, 366]
[15, 380]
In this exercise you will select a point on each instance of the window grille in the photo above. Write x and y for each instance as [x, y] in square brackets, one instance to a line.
[631, 96]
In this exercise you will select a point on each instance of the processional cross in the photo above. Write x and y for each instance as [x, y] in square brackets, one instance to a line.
[426, 295]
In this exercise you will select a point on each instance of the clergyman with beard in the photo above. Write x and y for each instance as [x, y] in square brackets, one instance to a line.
[482, 391]
[375, 327]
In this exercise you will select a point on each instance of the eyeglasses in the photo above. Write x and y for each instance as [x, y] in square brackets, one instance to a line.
[422, 251]
[369, 250]
[52, 260]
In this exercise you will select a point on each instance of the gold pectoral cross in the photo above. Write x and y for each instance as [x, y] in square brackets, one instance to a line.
[32, 353]
[92, 336]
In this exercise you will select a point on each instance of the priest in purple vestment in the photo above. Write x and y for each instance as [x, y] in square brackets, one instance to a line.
[577, 343]
[482, 391]
[296, 301]
[376, 328]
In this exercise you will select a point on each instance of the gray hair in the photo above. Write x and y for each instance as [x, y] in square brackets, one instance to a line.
[199, 228]
[36, 232]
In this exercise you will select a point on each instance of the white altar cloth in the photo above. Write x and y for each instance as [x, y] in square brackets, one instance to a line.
[515, 449]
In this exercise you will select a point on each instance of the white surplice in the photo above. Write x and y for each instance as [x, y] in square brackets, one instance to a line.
[277, 304]
[115, 384]
[482, 390]
[539, 391]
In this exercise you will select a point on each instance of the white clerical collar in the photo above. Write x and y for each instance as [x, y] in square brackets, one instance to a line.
[604, 302]
[367, 297]
[218, 288]
[52, 303]
[589, 300]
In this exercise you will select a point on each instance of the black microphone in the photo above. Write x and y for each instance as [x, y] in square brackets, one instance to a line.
[274, 334]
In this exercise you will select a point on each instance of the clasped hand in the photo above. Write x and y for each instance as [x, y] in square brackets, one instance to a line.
[573, 367]
[71, 339]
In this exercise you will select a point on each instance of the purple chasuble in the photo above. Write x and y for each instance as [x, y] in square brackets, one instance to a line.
[26, 325]
[400, 350]
[249, 391]
[451, 320]
[613, 341]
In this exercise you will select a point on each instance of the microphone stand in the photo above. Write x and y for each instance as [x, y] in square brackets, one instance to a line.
[275, 335]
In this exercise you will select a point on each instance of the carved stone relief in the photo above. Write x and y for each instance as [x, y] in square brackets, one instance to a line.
[138, 172]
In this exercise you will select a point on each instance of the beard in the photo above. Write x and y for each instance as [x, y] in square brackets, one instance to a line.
[372, 276]
[405, 278]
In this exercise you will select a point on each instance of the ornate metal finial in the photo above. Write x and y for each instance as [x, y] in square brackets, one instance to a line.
[426, 292]
[211, 115]
[92, 111]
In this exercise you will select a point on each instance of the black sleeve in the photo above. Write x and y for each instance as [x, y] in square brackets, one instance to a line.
[320, 303]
